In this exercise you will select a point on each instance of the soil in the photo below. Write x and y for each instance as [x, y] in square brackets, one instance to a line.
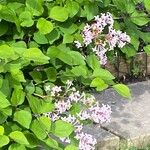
[132, 79]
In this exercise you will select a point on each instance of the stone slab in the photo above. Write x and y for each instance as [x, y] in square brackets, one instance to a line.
[130, 119]
[105, 140]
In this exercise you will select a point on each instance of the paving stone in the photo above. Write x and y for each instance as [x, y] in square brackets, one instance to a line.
[130, 119]
[105, 140]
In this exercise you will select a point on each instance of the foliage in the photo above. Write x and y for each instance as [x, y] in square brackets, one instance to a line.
[36, 50]
[133, 17]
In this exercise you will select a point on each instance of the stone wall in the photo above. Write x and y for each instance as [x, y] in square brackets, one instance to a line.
[139, 64]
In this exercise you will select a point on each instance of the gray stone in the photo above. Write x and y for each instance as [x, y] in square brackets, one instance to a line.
[105, 140]
[130, 119]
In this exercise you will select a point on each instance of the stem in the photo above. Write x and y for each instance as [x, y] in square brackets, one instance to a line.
[40, 96]
[41, 82]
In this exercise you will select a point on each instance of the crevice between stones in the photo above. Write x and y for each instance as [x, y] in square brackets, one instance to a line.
[112, 132]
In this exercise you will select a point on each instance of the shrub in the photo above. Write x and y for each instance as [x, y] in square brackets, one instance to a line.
[37, 57]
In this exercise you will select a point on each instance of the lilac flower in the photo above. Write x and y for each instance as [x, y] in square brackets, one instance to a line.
[96, 29]
[69, 84]
[74, 96]
[55, 90]
[86, 141]
[52, 116]
[87, 27]
[47, 88]
[104, 20]
[100, 51]
[62, 106]
[84, 115]
[87, 35]
[117, 38]
[108, 19]
[90, 109]
[103, 41]
[88, 101]
[69, 119]
[123, 38]
[78, 128]
[78, 44]
[65, 140]
[112, 38]
[100, 114]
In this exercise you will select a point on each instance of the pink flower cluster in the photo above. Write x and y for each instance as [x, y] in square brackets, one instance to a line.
[65, 98]
[103, 41]
[100, 114]
[97, 114]
[86, 141]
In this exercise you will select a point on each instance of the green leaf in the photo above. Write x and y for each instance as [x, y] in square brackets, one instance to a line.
[130, 6]
[18, 75]
[40, 38]
[103, 74]
[1, 130]
[35, 55]
[27, 118]
[44, 26]
[56, 11]
[62, 128]
[71, 147]
[53, 36]
[120, 4]
[135, 41]
[46, 122]
[32, 139]
[19, 47]
[36, 76]
[67, 56]
[147, 49]
[129, 50]
[5, 88]
[26, 19]
[16, 6]
[75, 109]
[106, 2]
[3, 28]
[6, 52]
[99, 84]
[19, 137]
[72, 7]
[3, 101]
[68, 38]
[4, 140]
[30, 88]
[6, 111]
[7, 14]
[18, 97]
[125, 5]
[139, 18]
[16, 146]
[39, 106]
[79, 71]
[35, 6]
[51, 143]
[147, 5]
[68, 27]
[15, 71]
[41, 127]
[51, 73]
[92, 61]
[145, 36]
[91, 10]
[3, 118]
[123, 90]
[1, 81]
